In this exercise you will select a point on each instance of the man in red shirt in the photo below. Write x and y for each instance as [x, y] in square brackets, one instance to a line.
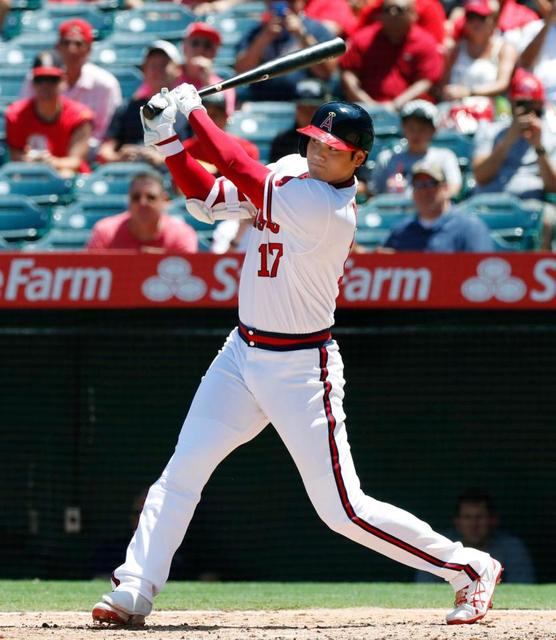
[146, 226]
[391, 61]
[49, 127]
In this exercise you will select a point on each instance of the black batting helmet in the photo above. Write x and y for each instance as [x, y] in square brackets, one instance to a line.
[342, 125]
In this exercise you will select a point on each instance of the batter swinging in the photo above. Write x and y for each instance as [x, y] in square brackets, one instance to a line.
[280, 364]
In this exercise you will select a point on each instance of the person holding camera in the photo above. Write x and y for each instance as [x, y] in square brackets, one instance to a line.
[520, 157]
[284, 28]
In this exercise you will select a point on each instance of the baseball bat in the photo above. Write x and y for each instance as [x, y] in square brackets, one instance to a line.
[290, 62]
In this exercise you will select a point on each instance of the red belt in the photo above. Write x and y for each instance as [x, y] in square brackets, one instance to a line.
[283, 341]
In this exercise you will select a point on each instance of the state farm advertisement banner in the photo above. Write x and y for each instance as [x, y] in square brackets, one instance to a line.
[132, 280]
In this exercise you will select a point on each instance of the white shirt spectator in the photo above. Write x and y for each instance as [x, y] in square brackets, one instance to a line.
[98, 89]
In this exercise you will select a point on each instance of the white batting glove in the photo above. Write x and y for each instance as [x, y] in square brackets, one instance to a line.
[187, 98]
[161, 128]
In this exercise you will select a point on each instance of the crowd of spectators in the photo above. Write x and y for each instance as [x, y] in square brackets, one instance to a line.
[480, 67]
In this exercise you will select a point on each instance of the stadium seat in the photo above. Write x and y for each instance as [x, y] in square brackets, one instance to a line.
[52, 15]
[248, 9]
[204, 231]
[85, 212]
[121, 49]
[386, 123]
[23, 48]
[259, 128]
[39, 182]
[232, 27]
[111, 179]
[226, 55]
[12, 22]
[10, 83]
[21, 219]
[376, 218]
[130, 79]
[59, 240]
[161, 19]
[459, 143]
[283, 111]
[514, 226]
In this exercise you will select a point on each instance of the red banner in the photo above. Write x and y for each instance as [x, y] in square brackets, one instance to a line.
[132, 280]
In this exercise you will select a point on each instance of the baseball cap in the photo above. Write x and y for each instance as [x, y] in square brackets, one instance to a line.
[525, 86]
[429, 168]
[420, 109]
[47, 64]
[166, 47]
[480, 7]
[205, 30]
[309, 91]
[76, 26]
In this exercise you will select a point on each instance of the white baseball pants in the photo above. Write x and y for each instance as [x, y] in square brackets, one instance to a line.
[301, 393]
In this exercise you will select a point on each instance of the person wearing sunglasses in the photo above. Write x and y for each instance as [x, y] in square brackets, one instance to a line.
[519, 157]
[49, 127]
[414, 59]
[145, 226]
[437, 226]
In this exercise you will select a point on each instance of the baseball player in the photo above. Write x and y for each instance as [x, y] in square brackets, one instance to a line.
[280, 364]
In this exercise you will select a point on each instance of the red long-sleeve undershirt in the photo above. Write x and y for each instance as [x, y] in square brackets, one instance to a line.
[226, 154]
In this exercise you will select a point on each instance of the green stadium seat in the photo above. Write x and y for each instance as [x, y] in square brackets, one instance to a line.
[161, 19]
[39, 182]
[459, 143]
[21, 219]
[204, 231]
[232, 27]
[513, 225]
[59, 240]
[259, 128]
[376, 218]
[112, 179]
[47, 19]
[85, 212]
[130, 79]
[283, 111]
[386, 123]
[12, 22]
[121, 49]
[226, 55]
[11, 81]
[248, 9]
[28, 45]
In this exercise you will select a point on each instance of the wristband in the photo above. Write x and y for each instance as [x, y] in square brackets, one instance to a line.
[540, 151]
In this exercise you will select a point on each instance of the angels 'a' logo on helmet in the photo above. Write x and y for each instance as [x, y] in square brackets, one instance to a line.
[327, 122]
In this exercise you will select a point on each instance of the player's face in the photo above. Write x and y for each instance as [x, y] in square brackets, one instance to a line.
[331, 165]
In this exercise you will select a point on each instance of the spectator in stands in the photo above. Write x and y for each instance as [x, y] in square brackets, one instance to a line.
[392, 172]
[308, 95]
[476, 525]
[124, 138]
[437, 226]
[49, 127]
[284, 28]
[201, 42]
[5, 6]
[145, 226]
[480, 62]
[539, 48]
[338, 16]
[519, 157]
[413, 55]
[84, 81]
[430, 16]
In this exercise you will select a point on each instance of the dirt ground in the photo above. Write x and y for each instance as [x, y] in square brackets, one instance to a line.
[313, 624]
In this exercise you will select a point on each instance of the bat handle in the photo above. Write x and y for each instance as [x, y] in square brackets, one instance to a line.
[150, 111]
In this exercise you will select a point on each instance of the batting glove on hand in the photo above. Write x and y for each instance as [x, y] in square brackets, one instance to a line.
[187, 99]
[161, 127]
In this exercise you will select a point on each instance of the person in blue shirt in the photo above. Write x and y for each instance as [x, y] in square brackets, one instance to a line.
[476, 525]
[283, 29]
[437, 225]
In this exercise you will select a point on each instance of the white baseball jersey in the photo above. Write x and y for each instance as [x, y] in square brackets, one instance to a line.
[296, 252]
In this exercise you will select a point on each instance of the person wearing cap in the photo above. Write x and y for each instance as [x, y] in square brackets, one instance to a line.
[519, 157]
[539, 48]
[49, 127]
[437, 226]
[392, 171]
[284, 28]
[84, 81]
[415, 61]
[480, 62]
[123, 141]
[200, 45]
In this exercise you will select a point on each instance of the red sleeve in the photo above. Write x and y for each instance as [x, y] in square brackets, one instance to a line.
[248, 175]
[431, 17]
[192, 179]
[429, 61]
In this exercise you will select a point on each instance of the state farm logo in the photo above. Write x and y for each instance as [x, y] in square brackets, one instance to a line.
[25, 280]
[494, 280]
[174, 279]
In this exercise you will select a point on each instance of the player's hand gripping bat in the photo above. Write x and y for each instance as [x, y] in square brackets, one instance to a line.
[279, 66]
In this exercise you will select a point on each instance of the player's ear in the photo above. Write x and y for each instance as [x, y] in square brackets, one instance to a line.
[359, 157]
